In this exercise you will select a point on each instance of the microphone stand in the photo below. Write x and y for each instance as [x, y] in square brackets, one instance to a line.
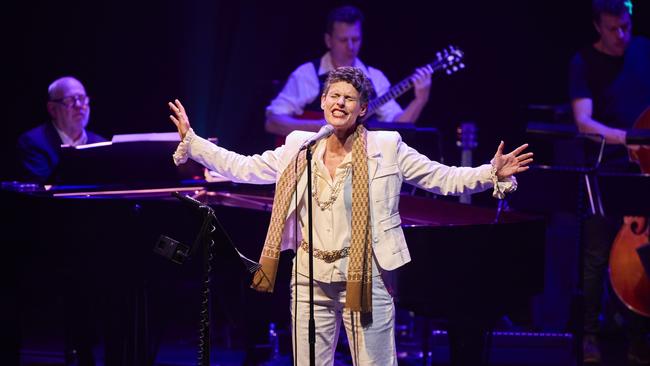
[204, 239]
[312, 323]
[179, 253]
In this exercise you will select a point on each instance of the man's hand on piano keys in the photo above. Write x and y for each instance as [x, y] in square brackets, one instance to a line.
[179, 117]
[510, 164]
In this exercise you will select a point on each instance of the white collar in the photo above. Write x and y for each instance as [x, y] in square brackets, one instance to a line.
[67, 140]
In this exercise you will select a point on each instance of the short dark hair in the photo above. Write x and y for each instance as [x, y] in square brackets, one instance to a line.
[611, 7]
[344, 14]
[353, 76]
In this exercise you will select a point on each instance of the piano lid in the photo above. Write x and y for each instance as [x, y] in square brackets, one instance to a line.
[464, 263]
[421, 211]
[138, 161]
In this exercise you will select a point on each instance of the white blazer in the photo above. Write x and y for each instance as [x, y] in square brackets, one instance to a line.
[390, 162]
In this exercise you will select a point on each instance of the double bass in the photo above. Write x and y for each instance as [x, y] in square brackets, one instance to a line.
[629, 278]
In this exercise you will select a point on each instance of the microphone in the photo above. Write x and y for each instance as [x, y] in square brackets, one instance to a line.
[322, 133]
[190, 201]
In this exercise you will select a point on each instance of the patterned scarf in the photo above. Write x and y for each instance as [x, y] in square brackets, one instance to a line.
[359, 279]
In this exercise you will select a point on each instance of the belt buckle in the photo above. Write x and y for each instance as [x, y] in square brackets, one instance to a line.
[329, 257]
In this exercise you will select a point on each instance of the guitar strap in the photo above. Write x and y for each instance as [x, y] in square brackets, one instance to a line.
[314, 105]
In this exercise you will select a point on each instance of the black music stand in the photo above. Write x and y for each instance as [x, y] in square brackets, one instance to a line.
[562, 152]
[204, 242]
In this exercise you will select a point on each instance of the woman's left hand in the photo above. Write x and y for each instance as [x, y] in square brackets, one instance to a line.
[510, 164]
[179, 117]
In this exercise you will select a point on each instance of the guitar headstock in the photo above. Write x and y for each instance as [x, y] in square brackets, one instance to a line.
[449, 59]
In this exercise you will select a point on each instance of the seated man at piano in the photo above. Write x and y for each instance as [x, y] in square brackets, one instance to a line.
[39, 148]
[609, 87]
[297, 106]
[357, 236]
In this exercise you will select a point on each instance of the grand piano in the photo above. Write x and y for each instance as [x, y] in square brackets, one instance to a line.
[92, 245]
[470, 266]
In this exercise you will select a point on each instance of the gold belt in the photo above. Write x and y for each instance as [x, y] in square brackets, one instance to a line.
[327, 256]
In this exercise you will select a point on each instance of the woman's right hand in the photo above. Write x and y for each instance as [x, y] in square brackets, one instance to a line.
[179, 117]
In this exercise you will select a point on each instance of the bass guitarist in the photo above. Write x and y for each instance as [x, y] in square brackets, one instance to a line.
[609, 87]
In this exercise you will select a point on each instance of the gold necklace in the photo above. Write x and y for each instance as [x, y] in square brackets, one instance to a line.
[334, 193]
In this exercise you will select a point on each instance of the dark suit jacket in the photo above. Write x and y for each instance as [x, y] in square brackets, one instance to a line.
[38, 152]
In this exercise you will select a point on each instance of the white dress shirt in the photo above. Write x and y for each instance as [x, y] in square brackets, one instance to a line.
[332, 226]
[67, 140]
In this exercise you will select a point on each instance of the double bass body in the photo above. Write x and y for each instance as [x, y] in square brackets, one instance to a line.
[629, 278]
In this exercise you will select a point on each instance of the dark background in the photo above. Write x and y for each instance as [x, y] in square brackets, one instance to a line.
[225, 60]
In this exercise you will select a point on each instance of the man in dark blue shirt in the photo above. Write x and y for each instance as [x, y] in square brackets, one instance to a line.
[610, 79]
[609, 87]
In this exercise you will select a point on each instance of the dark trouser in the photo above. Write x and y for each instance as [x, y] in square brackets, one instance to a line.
[598, 235]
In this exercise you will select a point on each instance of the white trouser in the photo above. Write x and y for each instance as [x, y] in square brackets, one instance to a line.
[372, 342]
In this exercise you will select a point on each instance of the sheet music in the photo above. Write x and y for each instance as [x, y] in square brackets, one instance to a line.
[154, 136]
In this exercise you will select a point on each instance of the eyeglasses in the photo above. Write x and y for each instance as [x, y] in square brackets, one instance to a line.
[73, 100]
